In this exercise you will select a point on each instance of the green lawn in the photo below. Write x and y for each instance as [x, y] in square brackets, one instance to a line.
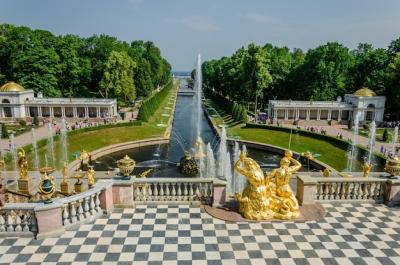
[329, 154]
[92, 140]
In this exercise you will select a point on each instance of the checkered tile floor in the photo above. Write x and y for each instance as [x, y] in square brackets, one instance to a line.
[362, 233]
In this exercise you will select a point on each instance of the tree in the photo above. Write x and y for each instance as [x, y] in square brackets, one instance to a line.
[4, 131]
[385, 135]
[142, 76]
[117, 79]
[325, 72]
[392, 92]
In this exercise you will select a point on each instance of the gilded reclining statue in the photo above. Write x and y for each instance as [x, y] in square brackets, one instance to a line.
[270, 196]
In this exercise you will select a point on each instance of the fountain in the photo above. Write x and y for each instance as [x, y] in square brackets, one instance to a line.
[371, 142]
[352, 153]
[210, 167]
[50, 144]
[64, 143]
[198, 113]
[13, 150]
[35, 149]
[395, 139]
[222, 152]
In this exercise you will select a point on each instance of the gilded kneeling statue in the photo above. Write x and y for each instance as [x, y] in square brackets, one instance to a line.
[270, 196]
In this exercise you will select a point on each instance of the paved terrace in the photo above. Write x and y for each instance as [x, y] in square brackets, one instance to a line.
[356, 233]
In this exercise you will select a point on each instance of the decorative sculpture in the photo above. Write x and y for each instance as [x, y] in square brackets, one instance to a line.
[23, 164]
[91, 177]
[126, 165]
[392, 166]
[65, 188]
[47, 185]
[270, 196]
[188, 165]
[199, 152]
[366, 169]
[1, 185]
[326, 173]
[78, 184]
[24, 183]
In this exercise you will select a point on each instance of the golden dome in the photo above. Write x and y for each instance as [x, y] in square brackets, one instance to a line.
[11, 87]
[365, 92]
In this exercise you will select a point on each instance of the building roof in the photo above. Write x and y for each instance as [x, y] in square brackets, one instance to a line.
[365, 92]
[11, 87]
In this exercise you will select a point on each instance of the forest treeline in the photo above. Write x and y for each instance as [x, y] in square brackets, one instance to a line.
[323, 73]
[72, 66]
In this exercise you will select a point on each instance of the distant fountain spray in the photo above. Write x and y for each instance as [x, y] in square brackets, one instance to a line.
[64, 140]
[371, 142]
[222, 152]
[210, 162]
[395, 139]
[50, 144]
[228, 173]
[352, 153]
[35, 149]
[13, 150]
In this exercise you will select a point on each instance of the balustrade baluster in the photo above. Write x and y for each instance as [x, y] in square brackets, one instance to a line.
[319, 191]
[370, 193]
[65, 216]
[167, 192]
[18, 227]
[25, 222]
[337, 191]
[185, 191]
[2, 223]
[155, 185]
[33, 222]
[10, 222]
[97, 202]
[74, 217]
[150, 191]
[179, 192]
[162, 187]
[138, 194]
[174, 192]
[80, 210]
[191, 192]
[92, 205]
[86, 210]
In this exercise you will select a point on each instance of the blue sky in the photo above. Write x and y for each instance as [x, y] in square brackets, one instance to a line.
[214, 28]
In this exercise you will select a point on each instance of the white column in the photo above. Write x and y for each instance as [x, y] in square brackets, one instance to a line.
[40, 114]
[297, 114]
[98, 112]
[286, 114]
[1, 112]
[74, 112]
[86, 112]
[339, 115]
[51, 111]
[308, 115]
[63, 112]
[318, 114]
[275, 114]
[329, 115]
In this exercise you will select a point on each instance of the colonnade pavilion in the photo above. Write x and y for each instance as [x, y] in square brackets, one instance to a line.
[18, 102]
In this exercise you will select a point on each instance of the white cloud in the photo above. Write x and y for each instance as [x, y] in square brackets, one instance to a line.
[257, 18]
[197, 23]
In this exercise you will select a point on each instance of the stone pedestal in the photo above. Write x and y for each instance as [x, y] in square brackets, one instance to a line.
[78, 187]
[25, 186]
[49, 220]
[391, 192]
[65, 188]
[306, 189]
[219, 193]
[106, 200]
[122, 192]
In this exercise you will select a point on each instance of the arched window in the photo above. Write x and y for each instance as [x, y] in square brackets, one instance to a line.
[6, 109]
[370, 114]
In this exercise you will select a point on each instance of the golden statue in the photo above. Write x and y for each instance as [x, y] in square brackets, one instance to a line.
[91, 176]
[326, 173]
[366, 169]
[145, 173]
[65, 189]
[270, 196]
[199, 152]
[22, 164]
[46, 186]
[254, 201]
[284, 204]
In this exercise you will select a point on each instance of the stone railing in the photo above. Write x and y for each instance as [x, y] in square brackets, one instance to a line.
[126, 193]
[83, 207]
[380, 189]
[349, 189]
[18, 219]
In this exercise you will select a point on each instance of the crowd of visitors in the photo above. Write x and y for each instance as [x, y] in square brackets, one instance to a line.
[389, 124]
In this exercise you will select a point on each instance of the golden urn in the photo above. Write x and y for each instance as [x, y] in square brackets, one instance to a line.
[47, 185]
[392, 166]
[126, 165]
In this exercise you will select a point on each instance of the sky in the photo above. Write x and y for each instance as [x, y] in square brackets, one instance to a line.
[213, 28]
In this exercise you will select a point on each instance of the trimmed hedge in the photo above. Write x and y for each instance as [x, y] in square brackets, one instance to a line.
[150, 105]
[342, 144]
[237, 111]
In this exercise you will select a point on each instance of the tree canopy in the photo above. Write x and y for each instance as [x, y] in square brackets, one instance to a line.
[323, 73]
[73, 66]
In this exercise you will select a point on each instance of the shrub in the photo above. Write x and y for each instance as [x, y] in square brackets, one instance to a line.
[22, 122]
[4, 131]
[243, 115]
[36, 120]
[385, 135]
[366, 126]
[350, 125]
[150, 105]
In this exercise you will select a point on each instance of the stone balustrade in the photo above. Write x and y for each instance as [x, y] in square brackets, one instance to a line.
[18, 219]
[312, 189]
[173, 190]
